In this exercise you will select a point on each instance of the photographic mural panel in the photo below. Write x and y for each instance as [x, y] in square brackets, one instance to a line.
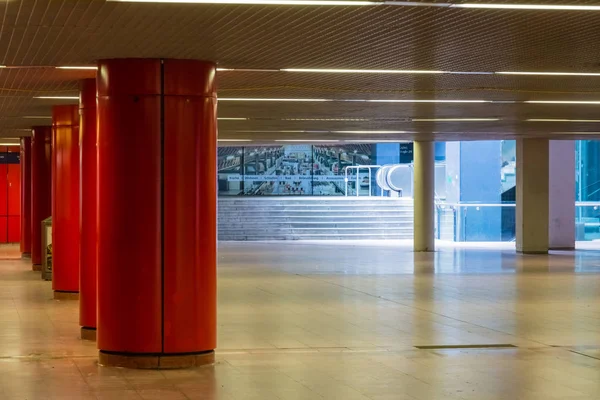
[293, 170]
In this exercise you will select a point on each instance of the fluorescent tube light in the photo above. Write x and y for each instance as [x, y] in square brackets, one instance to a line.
[57, 97]
[371, 119]
[376, 141]
[80, 67]
[355, 100]
[279, 131]
[261, 99]
[266, 2]
[562, 102]
[528, 6]
[377, 3]
[362, 71]
[248, 69]
[426, 101]
[371, 132]
[454, 119]
[307, 140]
[548, 73]
[561, 120]
[326, 119]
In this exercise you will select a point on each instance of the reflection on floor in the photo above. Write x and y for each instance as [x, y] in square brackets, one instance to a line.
[325, 321]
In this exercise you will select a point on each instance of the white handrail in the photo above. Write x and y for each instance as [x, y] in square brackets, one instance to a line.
[477, 204]
[358, 168]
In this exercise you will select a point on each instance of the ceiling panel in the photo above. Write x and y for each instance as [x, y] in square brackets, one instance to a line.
[78, 32]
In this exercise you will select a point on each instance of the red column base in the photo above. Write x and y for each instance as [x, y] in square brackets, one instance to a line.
[25, 255]
[156, 361]
[59, 295]
[88, 333]
[36, 267]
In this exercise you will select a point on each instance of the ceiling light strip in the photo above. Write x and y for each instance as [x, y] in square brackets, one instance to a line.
[382, 71]
[324, 131]
[328, 119]
[279, 131]
[454, 119]
[248, 69]
[270, 99]
[415, 101]
[549, 7]
[364, 119]
[82, 67]
[262, 2]
[451, 101]
[308, 140]
[372, 132]
[57, 97]
[354, 100]
[560, 120]
[584, 102]
[375, 141]
[337, 71]
[548, 73]
[362, 71]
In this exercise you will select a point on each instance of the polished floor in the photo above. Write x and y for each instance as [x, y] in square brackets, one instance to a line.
[340, 321]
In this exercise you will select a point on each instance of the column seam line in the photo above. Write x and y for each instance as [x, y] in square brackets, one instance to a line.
[162, 205]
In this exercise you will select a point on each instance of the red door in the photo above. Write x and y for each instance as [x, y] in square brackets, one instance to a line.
[14, 228]
[4, 193]
[13, 196]
[14, 189]
[3, 229]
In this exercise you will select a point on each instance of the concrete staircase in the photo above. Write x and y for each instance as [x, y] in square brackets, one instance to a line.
[314, 218]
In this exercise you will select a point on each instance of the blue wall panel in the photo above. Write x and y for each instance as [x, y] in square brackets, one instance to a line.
[480, 182]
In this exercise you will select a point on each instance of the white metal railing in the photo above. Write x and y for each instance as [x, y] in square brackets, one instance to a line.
[441, 203]
[406, 179]
[358, 177]
[587, 203]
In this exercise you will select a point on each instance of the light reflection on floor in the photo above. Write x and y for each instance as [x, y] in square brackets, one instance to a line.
[340, 321]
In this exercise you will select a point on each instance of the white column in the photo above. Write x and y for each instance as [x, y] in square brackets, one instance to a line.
[424, 196]
[532, 195]
[562, 194]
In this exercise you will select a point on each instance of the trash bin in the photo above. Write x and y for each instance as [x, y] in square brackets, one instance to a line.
[47, 249]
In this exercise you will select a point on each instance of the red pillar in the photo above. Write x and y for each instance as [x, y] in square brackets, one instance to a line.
[26, 197]
[41, 182]
[65, 201]
[88, 237]
[157, 199]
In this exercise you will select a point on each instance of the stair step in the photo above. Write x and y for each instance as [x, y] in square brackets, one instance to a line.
[314, 218]
[314, 237]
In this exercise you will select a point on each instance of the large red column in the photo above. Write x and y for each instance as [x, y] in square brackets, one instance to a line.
[41, 183]
[157, 194]
[65, 201]
[26, 197]
[88, 225]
